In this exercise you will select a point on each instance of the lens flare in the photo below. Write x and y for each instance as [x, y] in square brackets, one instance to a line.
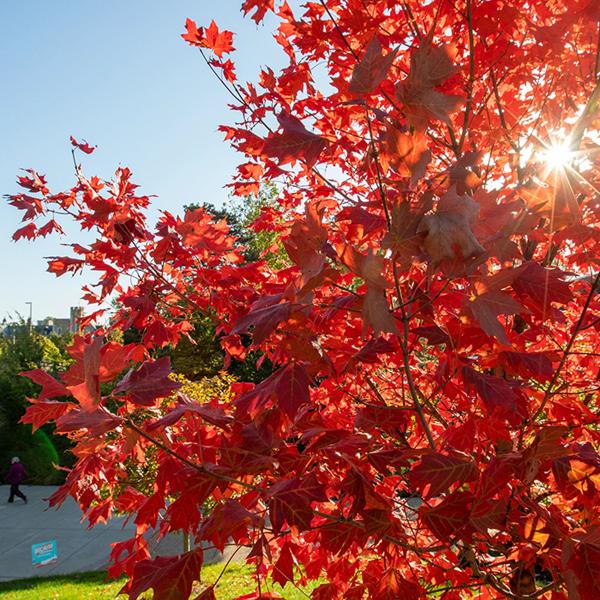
[558, 156]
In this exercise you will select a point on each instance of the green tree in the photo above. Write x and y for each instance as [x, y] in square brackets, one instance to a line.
[20, 351]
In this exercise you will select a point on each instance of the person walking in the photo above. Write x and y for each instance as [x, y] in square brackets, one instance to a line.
[15, 478]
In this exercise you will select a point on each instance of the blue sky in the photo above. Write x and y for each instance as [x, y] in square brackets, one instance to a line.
[119, 75]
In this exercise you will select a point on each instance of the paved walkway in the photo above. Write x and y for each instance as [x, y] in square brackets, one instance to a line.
[79, 548]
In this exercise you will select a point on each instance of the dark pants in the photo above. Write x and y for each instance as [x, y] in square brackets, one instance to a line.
[15, 491]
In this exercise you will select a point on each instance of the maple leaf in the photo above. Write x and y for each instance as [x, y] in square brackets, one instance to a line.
[387, 418]
[295, 142]
[149, 510]
[115, 358]
[171, 577]
[263, 318]
[402, 237]
[584, 563]
[432, 333]
[488, 514]
[83, 145]
[60, 266]
[447, 233]
[228, 519]
[283, 569]
[220, 42]
[424, 102]
[88, 391]
[289, 386]
[42, 412]
[527, 364]
[148, 383]
[541, 286]
[430, 66]
[184, 512]
[440, 472]
[496, 393]
[447, 519]
[376, 312]
[290, 501]
[34, 182]
[392, 585]
[260, 8]
[30, 204]
[488, 306]
[50, 227]
[97, 421]
[371, 70]
[337, 537]
[362, 490]
[548, 443]
[371, 351]
[407, 152]
[193, 35]
[29, 231]
[328, 591]
[213, 414]
[51, 388]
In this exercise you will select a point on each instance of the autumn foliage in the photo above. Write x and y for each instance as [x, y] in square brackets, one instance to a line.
[431, 425]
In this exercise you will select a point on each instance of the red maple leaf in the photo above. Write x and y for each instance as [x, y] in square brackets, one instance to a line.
[83, 145]
[288, 387]
[264, 317]
[290, 501]
[220, 42]
[31, 205]
[171, 577]
[497, 395]
[488, 306]
[539, 286]
[87, 391]
[584, 563]
[393, 585]
[260, 8]
[283, 569]
[294, 143]
[149, 382]
[447, 519]
[527, 364]
[29, 231]
[213, 414]
[193, 35]
[42, 412]
[97, 421]
[439, 472]
[51, 387]
[371, 70]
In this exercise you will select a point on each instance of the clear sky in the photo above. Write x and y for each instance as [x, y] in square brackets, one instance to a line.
[118, 74]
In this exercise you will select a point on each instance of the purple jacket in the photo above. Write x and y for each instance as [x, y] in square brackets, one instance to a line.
[16, 474]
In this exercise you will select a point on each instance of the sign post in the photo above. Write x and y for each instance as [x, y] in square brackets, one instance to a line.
[44, 553]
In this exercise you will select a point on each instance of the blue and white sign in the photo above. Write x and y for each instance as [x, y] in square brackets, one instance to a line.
[44, 553]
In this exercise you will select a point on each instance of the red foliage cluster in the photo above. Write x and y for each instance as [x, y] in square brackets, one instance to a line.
[431, 428]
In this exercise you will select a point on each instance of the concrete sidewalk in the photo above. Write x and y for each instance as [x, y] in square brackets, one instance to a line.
[79, 548]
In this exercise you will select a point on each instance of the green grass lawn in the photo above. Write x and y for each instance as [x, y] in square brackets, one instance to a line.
[91, 586]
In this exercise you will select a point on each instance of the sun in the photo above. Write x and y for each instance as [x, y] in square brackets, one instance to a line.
[558, 156]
